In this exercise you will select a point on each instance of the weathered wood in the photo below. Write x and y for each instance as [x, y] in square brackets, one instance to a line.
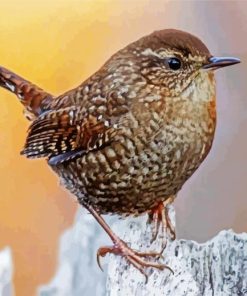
[217, 267]
[6, 272]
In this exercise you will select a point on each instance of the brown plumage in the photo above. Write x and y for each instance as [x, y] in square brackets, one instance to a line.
[128, 138]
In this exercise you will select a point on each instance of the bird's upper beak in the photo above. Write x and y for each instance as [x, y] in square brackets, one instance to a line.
[219, 62]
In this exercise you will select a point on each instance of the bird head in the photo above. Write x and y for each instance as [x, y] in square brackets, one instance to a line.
[172, 59]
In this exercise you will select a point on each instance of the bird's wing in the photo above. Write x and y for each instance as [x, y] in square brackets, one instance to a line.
[64, 134]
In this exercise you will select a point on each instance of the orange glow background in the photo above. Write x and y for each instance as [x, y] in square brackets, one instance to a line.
[59, 43]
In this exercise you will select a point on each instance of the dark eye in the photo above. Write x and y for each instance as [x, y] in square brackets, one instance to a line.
[174, 63]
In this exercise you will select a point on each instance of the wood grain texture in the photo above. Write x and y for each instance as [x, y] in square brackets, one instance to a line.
[216, 267]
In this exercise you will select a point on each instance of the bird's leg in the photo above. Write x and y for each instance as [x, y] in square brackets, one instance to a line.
[159, 215]
[120, 248]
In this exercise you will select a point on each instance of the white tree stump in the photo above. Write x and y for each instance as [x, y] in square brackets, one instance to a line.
[215, 268]
[6, 272]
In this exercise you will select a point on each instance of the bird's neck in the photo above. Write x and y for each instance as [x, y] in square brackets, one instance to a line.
[197, 104]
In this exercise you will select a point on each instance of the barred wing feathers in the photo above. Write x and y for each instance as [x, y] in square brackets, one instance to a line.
[64, 134]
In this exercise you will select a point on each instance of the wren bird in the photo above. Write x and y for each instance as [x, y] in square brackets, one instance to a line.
[126, 140]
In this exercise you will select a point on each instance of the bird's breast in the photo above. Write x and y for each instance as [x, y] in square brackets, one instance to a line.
[159, 148]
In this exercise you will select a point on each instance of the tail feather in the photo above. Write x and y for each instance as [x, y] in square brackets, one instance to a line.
[31, 96]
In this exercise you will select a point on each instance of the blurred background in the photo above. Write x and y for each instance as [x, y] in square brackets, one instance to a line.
[59, 43]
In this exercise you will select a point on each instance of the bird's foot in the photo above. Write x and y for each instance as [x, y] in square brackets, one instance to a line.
[159, 215]
[133, 257]
[122, 249]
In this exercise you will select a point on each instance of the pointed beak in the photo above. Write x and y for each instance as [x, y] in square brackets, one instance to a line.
[220, 62]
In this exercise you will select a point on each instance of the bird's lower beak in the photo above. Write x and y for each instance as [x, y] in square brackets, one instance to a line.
[220, 62]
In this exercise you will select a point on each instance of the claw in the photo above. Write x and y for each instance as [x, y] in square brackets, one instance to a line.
[133, 257]
[102, 252]
[160, 256]
[98, 260]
